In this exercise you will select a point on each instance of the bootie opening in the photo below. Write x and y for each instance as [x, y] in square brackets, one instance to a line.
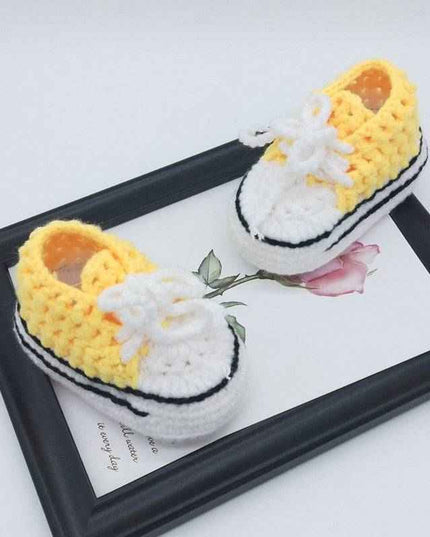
[373, 87]
[65, 255]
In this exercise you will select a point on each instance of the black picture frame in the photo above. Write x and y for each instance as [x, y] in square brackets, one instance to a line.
[225, 468]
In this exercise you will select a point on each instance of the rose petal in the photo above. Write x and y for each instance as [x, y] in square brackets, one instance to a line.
[348, 279]
[352, 247]
[331, 266]
[365, 255]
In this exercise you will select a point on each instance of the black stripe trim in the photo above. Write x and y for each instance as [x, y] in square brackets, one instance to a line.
[313, 240]
[93, 389]
[151, 396]
[379, 205]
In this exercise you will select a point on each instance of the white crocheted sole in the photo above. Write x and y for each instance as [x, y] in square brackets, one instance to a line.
[166, 419]
[286, 258]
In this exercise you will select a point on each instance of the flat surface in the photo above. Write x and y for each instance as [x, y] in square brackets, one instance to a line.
[93, 93]
[297, 368]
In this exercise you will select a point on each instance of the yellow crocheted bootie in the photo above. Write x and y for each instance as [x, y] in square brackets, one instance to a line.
[325, 178]
[137, 342]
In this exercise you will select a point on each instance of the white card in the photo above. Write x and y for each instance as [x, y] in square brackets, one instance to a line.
[299, 346]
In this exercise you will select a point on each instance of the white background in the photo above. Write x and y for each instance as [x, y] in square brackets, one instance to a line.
[93, 93]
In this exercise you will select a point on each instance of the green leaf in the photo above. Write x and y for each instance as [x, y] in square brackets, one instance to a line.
[231, 304]
[210, 268]
[237, 327]
[198, 276]
[223, 282]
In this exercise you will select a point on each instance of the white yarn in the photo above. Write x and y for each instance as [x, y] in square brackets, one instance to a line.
[165, 421]
[311, 147]
[191, 366]
[144, 301]
[301, 213]
[286, 260]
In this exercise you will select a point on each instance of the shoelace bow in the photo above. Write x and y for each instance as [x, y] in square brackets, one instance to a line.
[144, 301]
[310, 144]
[311, 147]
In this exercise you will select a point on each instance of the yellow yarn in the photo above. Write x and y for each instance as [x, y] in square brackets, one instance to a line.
[66, 318]
[374, 110]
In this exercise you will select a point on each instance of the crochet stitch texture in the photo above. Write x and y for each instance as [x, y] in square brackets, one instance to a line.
[383, 142]
[139, 343]
[64, 318]
[353, 155]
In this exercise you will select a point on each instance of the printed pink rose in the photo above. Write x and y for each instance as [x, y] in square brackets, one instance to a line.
[343, 275]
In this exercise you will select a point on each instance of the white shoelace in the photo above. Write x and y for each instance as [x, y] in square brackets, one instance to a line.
[143, 301]
[310, 144]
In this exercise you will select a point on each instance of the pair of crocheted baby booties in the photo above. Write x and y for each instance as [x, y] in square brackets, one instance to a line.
[144, 344]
